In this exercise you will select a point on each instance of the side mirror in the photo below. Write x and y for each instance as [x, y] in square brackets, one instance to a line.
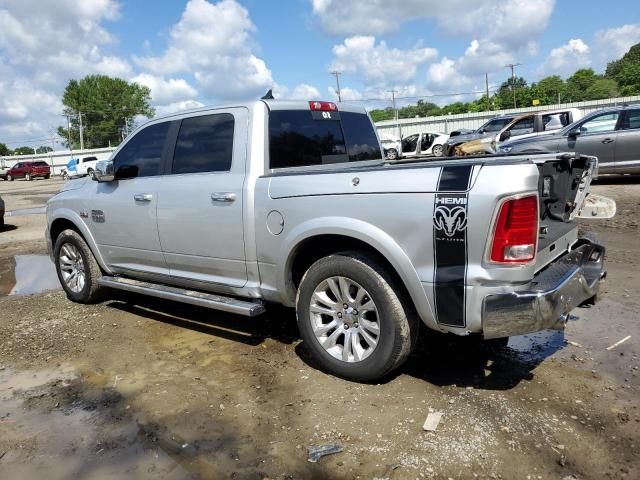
[506, 135]
[104, 171]
[574, 133]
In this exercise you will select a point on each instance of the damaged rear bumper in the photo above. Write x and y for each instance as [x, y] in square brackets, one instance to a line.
[568, 282]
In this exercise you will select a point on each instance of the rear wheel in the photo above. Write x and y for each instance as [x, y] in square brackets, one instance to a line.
[65, 176]
[91, 173]
[353, 317]
[437, 150]
[46, 177]
[77, 268]
[27, 177]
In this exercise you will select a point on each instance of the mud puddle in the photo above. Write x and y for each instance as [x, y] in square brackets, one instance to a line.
[27, 274]
[26, 211]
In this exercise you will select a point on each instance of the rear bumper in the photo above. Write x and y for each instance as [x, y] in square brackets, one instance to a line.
[568, 282]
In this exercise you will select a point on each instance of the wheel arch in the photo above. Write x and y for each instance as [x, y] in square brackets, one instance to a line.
[323, 236]
[68, 219]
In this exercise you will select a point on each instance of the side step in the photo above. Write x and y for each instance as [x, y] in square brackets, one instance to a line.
[192, 297]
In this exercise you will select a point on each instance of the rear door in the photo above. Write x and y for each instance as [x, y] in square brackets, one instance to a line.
[426, 142]
[200, 206]
[627, 152]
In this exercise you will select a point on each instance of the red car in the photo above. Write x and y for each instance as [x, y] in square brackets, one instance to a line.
[29, 170]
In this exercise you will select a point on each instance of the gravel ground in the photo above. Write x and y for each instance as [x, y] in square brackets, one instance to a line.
[136, 387]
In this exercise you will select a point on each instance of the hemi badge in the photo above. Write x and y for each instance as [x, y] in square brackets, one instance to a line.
[84, 214]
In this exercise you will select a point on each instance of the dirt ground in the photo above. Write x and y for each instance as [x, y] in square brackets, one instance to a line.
[138, 388]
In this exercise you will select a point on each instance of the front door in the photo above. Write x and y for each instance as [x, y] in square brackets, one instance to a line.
[410, 145]
[200, 210]
[122, 213]
[596, 136]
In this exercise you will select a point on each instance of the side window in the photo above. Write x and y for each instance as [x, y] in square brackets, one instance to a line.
[205, 144]
[632, 120]
[140, 157]
[605, 122]
[522, 127]
[555, 121]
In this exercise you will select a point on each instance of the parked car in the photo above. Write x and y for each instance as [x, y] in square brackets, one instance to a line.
[611, 134]
[425, 143]
[3, 169]
[29, 170]
[491, 127]
[71, 169]
[1, 213]
[391, 147]
[87, 166]
[292, 203]
[460, 131]
[529, 125]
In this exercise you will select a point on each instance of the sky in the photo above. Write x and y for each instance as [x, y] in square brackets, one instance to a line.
[200, 52]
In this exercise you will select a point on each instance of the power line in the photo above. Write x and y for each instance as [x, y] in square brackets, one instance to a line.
[513, 66]
[337, 74]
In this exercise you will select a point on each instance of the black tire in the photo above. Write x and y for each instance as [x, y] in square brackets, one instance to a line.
[46, 177]
[91, 173]
[391, 154]
[65, 176]
[10, 178]
[396, 316]
[28, 177]
[91, 292]
[438, 150]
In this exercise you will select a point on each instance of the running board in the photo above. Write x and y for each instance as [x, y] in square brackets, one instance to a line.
[192, 297]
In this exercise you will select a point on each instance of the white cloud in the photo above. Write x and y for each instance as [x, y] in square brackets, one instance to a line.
[515, 21]
[305, 92]
[613, 43]
[42, 46]
[568, 58]
[379, 64]
[175, 107]
[166, 91]
[213, 42]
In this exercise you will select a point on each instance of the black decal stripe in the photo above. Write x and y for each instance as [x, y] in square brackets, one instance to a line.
[450, 250]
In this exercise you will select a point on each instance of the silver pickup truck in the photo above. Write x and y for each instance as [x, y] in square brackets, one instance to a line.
[236, 207]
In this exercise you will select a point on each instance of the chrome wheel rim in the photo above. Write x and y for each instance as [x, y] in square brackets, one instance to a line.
[344, 319]
[72, 267]
[437, 150]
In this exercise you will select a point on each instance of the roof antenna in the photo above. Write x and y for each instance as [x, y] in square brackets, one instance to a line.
[268, 95]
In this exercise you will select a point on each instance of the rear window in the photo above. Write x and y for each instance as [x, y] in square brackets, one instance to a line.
[40, 164]
[297, 138]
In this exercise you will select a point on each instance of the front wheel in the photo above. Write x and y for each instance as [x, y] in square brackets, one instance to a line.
[392, 154]
[354, 318]
[77, 268]
[27, 177]
[65, 176]
[9, 178]
[438, 151]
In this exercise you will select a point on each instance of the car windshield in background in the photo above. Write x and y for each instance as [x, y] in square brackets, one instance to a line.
[297, 138]
[495, 125]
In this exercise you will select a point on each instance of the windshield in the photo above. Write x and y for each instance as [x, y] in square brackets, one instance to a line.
[494, 125]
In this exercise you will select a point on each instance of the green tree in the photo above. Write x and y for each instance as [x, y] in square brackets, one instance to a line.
[44, 149]
[626, 71]
[4, 150]
[23, 151]
[602, 88]
[108, 105]
[549, 90]
[579, 83]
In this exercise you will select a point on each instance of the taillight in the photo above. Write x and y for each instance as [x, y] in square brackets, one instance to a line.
[323, 106]
[515, 235]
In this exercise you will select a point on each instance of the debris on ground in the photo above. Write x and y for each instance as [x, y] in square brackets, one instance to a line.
[432, 421]
[619, 342]
[316, 452]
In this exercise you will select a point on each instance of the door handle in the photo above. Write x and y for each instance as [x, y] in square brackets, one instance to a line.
[223, 197]
[607, 140]
[143, 197]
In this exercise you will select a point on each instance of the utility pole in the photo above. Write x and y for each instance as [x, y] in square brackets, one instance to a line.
[513, 66]
[337, 74]
[486, 84]
[81, 131]
[395, 112]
